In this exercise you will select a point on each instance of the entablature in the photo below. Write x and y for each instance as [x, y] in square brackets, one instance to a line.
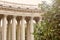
[19, 7]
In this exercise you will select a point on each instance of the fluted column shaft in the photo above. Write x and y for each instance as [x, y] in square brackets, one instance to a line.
[14, 28]
[0, 22]
[4, 28]
[31, 29]
[28, 32]
[22, 29]
[18, 30]
[9, 30]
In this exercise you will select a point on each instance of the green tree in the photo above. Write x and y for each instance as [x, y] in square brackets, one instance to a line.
[49, 27]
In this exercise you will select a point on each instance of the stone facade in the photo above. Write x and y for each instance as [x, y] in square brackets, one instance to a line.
[16, 21]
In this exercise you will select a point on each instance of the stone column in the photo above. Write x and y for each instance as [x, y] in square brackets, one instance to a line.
[0, 22]
[18, 29]
[31, 29]
[14, 28]
[22, 29]
[4, 28]
[27, 30]
[9, 29]
[0, 29]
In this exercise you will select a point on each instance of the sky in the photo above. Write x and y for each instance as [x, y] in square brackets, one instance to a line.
[34, 2]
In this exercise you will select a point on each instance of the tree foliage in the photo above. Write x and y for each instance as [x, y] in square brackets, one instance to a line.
[49, 27]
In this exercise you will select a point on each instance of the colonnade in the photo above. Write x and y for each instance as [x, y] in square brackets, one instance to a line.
[13, 27]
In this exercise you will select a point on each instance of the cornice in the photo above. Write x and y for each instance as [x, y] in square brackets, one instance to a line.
[18, 9]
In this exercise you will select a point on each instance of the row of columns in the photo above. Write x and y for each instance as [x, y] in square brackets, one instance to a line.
[20, 35]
